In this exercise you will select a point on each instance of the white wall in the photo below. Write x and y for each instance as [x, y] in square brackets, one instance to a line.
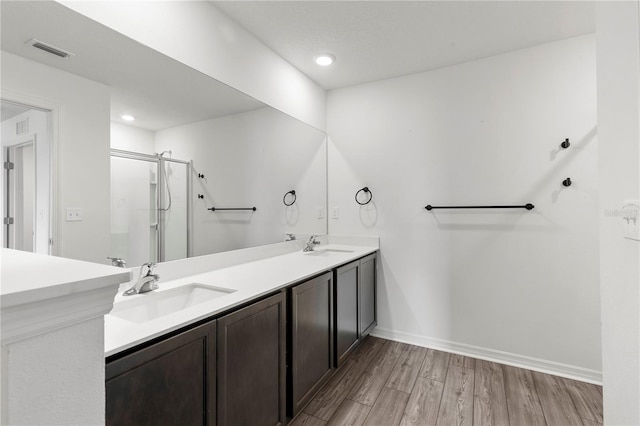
[131, 138]
[81, 132]
[184, 30]
[251, 159]
[517, 285]
[618, 47]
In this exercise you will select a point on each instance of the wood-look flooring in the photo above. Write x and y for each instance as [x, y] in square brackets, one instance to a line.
[387, 383]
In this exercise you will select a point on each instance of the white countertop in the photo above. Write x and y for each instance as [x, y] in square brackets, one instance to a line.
[29, 277]
[249, 280]
[40, 293]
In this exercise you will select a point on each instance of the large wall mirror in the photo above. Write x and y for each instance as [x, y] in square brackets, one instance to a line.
[198, 156]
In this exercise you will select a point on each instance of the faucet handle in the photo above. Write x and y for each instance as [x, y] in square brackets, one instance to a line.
[149, 266]
[117, 261]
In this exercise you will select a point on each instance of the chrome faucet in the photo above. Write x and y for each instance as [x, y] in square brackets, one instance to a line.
[117, 261]
[146, 281]
[311, 243]
[291, 237]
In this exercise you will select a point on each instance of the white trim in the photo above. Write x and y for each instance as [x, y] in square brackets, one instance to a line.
[53, 127]
[23, 321]
[515, 360]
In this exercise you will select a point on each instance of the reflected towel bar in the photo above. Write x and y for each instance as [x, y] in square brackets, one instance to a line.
[215, 209]
[527, 206]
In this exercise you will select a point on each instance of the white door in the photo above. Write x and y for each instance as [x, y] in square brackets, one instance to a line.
[20, 197]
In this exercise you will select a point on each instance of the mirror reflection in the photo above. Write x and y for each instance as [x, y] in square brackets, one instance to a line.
[149, 207]
[190, 153]
[26, 177]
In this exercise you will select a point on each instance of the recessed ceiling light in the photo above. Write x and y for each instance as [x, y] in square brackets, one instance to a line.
[127, 117]
[324, 59]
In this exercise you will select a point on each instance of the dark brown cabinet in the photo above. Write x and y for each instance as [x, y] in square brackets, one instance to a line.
[311, 343]
[355, 304]
[367, 295]
[232, 370]
[251, 365]
[171, 382]
[346, 308]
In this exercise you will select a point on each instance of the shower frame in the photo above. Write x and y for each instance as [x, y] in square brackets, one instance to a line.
[160, 199]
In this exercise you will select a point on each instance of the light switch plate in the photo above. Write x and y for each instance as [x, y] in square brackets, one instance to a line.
[320, 212]
[74, 214]
[631, 218]
[335, 214]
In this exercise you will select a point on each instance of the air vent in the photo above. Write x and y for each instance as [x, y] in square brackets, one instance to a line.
[22, 127]
[50, 49]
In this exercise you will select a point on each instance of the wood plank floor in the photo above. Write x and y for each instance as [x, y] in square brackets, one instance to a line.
[385, 383]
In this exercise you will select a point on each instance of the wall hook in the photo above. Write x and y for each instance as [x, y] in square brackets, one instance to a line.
[200, 196]
[567, 182]
[366, 191]
[566, 144]
[201, 176]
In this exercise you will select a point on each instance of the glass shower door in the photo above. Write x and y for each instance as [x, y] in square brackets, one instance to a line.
[134, 212]
[174, 209]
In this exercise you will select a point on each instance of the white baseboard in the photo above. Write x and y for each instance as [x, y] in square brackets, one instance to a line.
[515, 360]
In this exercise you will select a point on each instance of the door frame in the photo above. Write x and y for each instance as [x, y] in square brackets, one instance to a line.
[52, 109]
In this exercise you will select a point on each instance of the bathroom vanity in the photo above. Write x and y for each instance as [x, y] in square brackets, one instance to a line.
[254, 354]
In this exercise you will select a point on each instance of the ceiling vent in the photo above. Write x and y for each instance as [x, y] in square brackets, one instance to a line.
[50, 49]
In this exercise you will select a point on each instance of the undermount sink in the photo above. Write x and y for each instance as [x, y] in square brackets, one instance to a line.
[327, 252]
[156, 304]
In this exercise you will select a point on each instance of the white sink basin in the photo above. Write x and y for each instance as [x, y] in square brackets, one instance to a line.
[327, 252]
[156, 304]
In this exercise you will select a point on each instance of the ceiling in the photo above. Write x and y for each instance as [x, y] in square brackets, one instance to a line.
[159, 91]
[374, 40]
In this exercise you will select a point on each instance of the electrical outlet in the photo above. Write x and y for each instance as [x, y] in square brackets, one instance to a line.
[631, 218]
[320, 212]
[335, 214]
[74, 214]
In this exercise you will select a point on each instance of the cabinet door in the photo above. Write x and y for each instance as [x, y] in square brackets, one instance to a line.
[367, 294]
[169, 383]
[311, 338]
[346, 295]
[251, 365]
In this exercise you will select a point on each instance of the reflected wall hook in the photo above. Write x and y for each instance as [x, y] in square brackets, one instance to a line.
[366, 191]
[567, 182]
[566, 144]
[200, 196]
[293, 198]
[201, 176]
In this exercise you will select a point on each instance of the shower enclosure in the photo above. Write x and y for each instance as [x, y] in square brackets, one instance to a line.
[150, 209]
